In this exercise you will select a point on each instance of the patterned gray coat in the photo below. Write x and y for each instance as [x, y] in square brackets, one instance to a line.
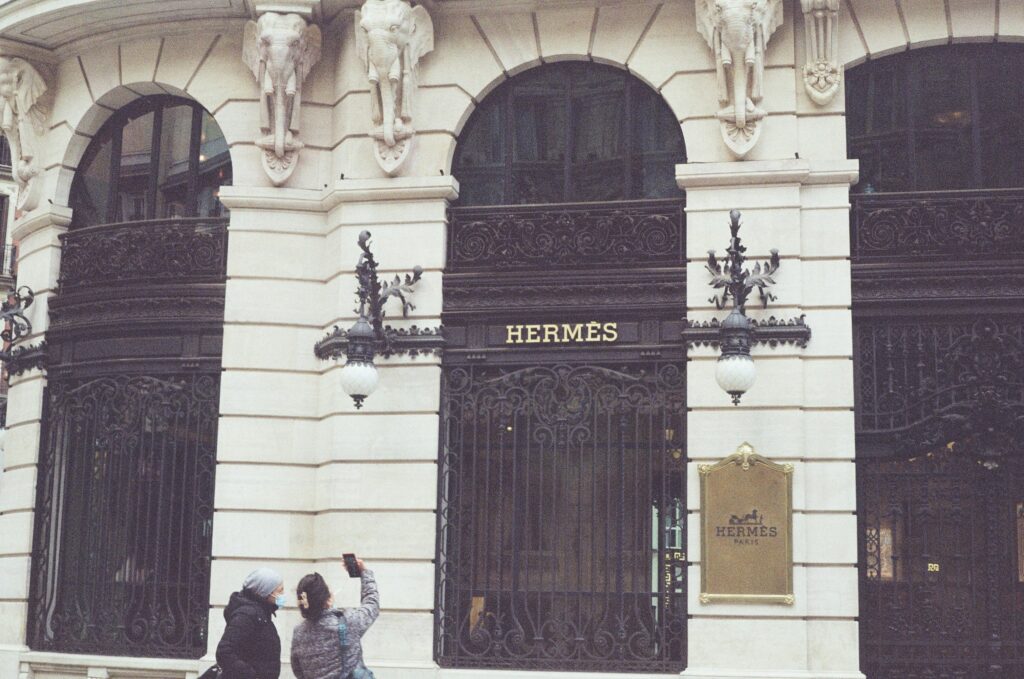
[316, 648]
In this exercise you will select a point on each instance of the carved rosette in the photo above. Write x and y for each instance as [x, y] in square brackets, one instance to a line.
[738, 32]
[823, 75]
[391, 37]
[280, 49]
[23, 120]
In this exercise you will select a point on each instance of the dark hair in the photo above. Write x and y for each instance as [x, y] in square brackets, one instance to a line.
[313, 595]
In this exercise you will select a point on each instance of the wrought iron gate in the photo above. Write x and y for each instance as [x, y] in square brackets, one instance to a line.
[942, 588]
[562, 517]
[941, 498]
[124, 504]
[121, 569]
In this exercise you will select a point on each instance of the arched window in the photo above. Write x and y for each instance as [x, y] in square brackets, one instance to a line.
[936, 267]
[562, 499]
[569, 132]
[940, 118]
[121, 557]
[158, 158]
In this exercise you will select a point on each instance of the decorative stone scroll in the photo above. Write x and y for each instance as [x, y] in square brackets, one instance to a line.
[23, 117]
[280, 49]
[823, 74]
[391, 37]
[738, 32]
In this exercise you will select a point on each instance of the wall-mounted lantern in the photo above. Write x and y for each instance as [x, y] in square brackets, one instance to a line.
[369, 337]
[14, 327]
[735, 370]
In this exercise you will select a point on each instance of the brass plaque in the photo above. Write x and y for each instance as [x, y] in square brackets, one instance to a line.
[746, 530]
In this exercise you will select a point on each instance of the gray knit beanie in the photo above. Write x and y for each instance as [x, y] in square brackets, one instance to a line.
[262, 582]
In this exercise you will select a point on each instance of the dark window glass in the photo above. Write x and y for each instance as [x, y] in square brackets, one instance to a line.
[569, 132]
[158, 158]
[136, 162]
[90, 193]
[943, 118]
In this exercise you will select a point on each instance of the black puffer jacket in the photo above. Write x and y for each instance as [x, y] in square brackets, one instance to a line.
[250, 647]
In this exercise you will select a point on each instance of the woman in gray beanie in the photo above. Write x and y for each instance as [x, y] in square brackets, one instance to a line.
[250, 647]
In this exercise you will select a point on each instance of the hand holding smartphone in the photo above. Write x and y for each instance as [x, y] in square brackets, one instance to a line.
[352, 565]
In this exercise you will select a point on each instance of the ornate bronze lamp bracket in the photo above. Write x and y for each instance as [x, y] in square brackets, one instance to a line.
[736, 283]
[373, 295]
[369, 336]
[773, 332]
[733, 281]
[17, 327]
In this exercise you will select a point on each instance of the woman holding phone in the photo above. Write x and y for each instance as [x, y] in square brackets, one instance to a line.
[327, 644]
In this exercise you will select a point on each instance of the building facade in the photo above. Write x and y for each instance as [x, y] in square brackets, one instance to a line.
[192, 182]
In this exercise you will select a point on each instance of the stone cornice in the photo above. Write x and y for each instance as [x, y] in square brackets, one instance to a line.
[766, 172]
[41, 218]
[390, 189]
[344, 191]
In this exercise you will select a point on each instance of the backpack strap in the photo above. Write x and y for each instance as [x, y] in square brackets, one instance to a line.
[342, 632]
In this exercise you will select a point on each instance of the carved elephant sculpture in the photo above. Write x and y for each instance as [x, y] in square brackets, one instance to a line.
[280, 49]
[738, 32]
[23, 121]
[391, 37]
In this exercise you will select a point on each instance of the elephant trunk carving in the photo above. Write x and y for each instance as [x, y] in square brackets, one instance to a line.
[738, 33]
[281, 50]
[385, 72]
[391, 36]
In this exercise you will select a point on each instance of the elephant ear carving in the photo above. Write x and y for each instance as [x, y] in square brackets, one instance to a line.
[362, 49]
[706, 20]
[250, 47]
[312, 40]
[422, 40]
[771, 17]
[30, 89]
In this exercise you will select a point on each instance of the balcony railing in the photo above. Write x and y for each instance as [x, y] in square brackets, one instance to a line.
[567, 236]
[161, 251]
[934, 225]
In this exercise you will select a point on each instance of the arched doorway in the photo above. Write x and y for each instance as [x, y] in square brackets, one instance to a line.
[938, 289]
[562, 500]
[124, 511]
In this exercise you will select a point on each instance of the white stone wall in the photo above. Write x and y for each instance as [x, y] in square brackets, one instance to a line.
[302, 476]
[799, 411]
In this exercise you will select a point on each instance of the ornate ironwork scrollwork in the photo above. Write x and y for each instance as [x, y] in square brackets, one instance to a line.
[168, 250]
[951, 224]
[929, 384]
[15, 327]
[566, 236]
[562, 518]
[124, 516]
[414, 341]
[771, 331]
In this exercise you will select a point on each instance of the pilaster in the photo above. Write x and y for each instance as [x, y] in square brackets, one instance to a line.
[39, 262]
[800, 411]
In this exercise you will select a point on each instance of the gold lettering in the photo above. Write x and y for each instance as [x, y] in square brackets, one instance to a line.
[934, 568]
[611, 332]
[532, 334]
[572, 333]
[513, 334]
[550, 333]
[593, 328]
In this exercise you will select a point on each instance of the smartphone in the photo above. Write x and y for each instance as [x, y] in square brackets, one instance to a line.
[351, 566]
